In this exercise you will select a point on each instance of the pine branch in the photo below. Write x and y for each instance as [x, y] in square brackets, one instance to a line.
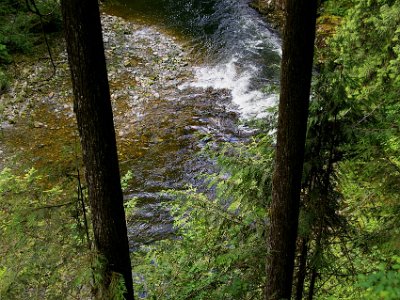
[54, 206]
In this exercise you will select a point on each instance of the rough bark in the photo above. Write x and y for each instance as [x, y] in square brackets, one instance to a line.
[296, 67]
[301, 274]
[93, 110]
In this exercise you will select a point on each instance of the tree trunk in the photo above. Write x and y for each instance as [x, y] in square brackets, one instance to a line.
[296, 67]
[314, 268]
[93, 110]
[313, 279]
[301, 274]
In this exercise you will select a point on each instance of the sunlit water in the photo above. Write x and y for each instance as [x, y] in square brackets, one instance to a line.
[233, 47]
[229, 54]
[234, 54]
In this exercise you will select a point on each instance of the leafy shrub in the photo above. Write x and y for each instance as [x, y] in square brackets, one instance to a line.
[42, 254]
[4, 55]
[383, 283]
[4, 82]
[219, 252]
[21, 28]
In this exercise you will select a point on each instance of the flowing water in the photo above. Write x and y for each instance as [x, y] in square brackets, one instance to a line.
[188, 71]
[233, 47]
[234, 54]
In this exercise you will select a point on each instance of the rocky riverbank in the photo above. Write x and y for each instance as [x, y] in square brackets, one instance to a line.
[160, 120]
[143, 66]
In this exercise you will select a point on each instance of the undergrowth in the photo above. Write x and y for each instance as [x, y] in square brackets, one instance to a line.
[220, 245]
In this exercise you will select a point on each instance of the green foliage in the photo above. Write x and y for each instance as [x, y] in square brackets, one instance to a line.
[21, 29]
[362, 67]
[367, 48]
[270, 89]
[117, 287]
[125, 180]
[219, 252]
[115, 284]
[4, 82]
[10, 6]
[336, 7]
[384, 283]
[42, 253]
[4, 55]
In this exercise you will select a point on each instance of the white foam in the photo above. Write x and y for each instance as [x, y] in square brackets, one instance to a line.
[259, 36]
[243, 50]
[251, 103]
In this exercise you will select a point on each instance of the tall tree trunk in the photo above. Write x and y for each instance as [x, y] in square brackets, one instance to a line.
[314, 268]
[296, 67]
[93, 110]
[301, 274]
[313, 279]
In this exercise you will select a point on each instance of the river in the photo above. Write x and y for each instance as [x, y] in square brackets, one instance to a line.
[232, 46]
[232, 50]
[182, 73]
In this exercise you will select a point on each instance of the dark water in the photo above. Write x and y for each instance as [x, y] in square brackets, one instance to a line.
[233, 47]
[235, 54]
[217, 27]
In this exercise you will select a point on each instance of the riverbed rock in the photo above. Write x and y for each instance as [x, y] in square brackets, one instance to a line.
[37, 124]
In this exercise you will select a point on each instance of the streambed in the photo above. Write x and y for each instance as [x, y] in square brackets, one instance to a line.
[162, 119]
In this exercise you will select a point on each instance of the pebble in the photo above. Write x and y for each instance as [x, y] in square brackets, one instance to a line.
[37, 124]
[137, 56]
